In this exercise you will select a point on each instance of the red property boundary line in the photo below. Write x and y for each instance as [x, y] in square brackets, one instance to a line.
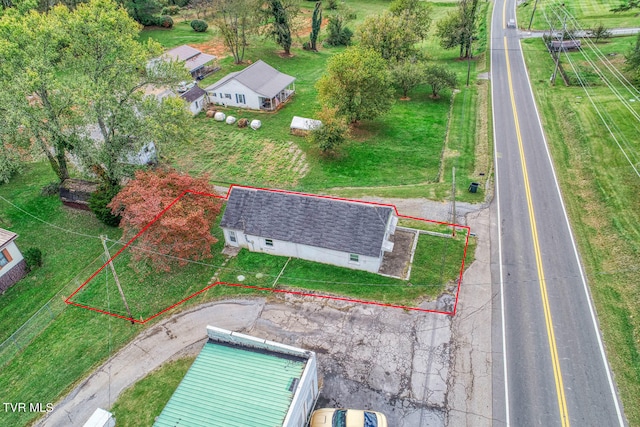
[299, 293]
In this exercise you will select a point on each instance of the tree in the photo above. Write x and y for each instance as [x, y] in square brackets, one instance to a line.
[389, 36]
[236, 20]
[142, 11]
[458, 28]
[633, 60]
[37, 98]
[183, 231]
[439, 77]
[110, 72]
[407, 75]
[357, 83]
[338, 33]
[333, 132]
[599, 32]
[416, 15]
[280, 15]
[316, 22]
[623, 7]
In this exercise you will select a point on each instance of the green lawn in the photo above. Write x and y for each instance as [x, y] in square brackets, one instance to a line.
[144, 401]
[180, 34]
[602, 195]
[589, 13]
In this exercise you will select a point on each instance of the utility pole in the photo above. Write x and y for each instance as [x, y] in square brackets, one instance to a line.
[115, 276]
[532, 13]
[564, 30]
[453, 200]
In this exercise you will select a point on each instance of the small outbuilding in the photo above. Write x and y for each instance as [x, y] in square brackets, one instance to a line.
[257, 87]
[12, 264]
[339, 232]
[194, 60]
[195, 99]
[240, 380]
[301, 126]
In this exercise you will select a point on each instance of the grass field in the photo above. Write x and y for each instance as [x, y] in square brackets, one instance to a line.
[589, 13]
[139, 405]
[602, 194]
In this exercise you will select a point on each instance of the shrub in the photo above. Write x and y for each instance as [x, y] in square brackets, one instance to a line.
[180, 3]
[333, 5]
[165, 21]
[170, 10]
[98, 203]
[33, 258]
[199, 25]
[339, 35]
[50, 189]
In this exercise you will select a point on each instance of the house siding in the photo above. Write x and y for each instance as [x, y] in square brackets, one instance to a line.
[13, 271]
[233, 87]
[196, 106]
[310, 253]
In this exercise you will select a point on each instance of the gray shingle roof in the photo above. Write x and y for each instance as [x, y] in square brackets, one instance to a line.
[193, 94]
[351, 227]
[260, 77]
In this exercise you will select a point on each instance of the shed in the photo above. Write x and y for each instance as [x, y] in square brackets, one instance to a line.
[240, 380]
[12, 264]
[257, 87]
[194, 97]
[75, 193]
[332, 231]
[302, 126]
[564, 45]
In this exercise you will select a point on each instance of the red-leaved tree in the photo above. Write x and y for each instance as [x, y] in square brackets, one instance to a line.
[182, 232]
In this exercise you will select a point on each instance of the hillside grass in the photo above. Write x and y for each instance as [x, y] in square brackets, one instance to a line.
[602, 195]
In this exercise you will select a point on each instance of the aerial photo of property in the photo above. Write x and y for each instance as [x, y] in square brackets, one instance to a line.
[319, 213]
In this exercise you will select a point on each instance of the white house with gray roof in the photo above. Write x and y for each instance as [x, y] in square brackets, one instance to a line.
[257, 87]
[194, 60]
[343, 233]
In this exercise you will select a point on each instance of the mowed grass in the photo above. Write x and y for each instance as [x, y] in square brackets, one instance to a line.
[602, 195]
[589, 13]
[180, 34]
[398, 154]
[140, 404]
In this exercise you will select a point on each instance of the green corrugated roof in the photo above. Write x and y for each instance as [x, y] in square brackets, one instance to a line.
[232, 386]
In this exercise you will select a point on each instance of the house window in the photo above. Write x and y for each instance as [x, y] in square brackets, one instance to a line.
[232, 236]
[268, 242]
[354, 258]
[227, 95]
[213, 95]
[5, 258]
[240, 98]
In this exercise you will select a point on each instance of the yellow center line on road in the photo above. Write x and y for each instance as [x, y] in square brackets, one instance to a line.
[557, 374]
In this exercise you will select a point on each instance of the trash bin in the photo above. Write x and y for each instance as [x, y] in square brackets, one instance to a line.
[473, 188]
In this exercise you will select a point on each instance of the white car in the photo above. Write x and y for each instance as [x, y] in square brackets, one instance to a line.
[329, 417]
[511, 23]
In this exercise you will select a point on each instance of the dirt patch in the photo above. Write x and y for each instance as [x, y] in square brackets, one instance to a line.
[214, 46]
[396, 262]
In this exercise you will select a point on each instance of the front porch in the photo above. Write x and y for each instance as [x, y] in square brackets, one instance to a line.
[272, 104]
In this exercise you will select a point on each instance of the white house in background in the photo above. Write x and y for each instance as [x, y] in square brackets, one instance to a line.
[257, 87]
[241, 380]
[344, 233]
[195, 99]
[12, 265]
[194, 60]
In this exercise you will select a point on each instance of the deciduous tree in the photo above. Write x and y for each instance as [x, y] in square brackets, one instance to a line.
[458, 27]
[389, 35]
[333, 132]
[416, 15]
[110, 73]
[633, 60]
[182, 232]
[599, 32]
[280, 15]
[236, 20]
[358, 84]
[407, 75]
[338, 33]
[439, 77]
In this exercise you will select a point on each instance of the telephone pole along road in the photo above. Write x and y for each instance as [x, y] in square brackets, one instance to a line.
[554, 371]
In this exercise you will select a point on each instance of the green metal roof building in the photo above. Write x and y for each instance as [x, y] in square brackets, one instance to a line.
[242, 381]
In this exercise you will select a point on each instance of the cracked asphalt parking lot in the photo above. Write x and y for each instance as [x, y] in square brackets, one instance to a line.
[420, 369]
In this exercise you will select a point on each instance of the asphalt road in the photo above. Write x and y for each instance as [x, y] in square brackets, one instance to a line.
[555, 372]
